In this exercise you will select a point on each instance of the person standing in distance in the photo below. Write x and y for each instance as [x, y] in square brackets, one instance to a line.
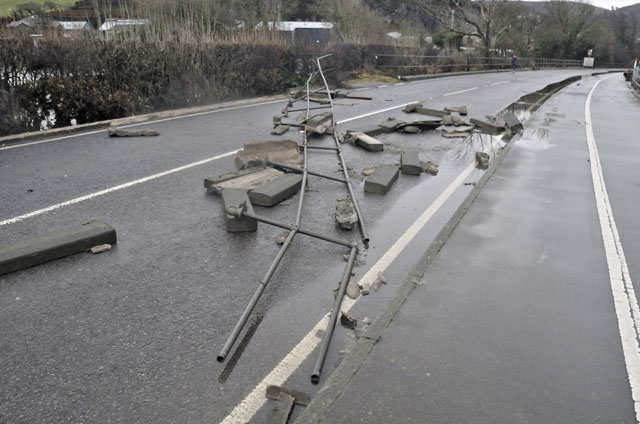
[514, 63]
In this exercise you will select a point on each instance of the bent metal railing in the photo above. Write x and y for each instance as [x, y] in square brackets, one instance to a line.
[635, 79]
[296, 229]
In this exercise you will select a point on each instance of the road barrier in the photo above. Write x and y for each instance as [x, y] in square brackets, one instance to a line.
[635, 79]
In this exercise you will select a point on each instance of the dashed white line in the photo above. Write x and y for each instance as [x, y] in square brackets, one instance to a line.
[81, 134]
[246, 409]
[461, 91]
[363, 88]
[501, 82]
[400, 83]
[373, 113]
[624, 298]
[382, 86]
[112, 189]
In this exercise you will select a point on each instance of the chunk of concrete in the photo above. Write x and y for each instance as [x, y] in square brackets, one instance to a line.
[429, 167]
[410, 163]
[101, 248]
[319, 123]
[353, 290]
[285, 151]
[382, 179]
[455, 134]
[371, 130]
[410, 129]
[282, 410]
[280, 129]
[482, 160]
[390, 125]
[426, 125]
[368, 171]
[368, 143]
[512, 122]
[447, 120]
[346, 215]
[273, 392]
[358, 96]
[234, 202]
[457, 121]
[487, 127]
[54, 245]
[276, 191]
[247, 179]
[462, 110]
[119, 132]
[418, 108]
[348, 321]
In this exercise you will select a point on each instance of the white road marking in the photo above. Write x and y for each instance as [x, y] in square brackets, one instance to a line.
[501, 82]
[139, 123]
[520, 79]
[373, 113]
[363, 88]
[246, 409]
[382, 86]
[461, 91]
[112, 189]
[624, 298]
[400, 83]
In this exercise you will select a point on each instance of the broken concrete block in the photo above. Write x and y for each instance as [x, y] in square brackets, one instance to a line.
[348, 321]
[119, 132]
[389, 125]
[247, 179]
[426, 125]
[382, 179]
[410, 163]
[464, 128]
[364, 290]
[282, 237]
[273, 392]
[410, 129]
[353, 290]
[234, 202]
[368, 171]
[368, 143]
[429, 168]
[482, 160]
[54, 245]
[101, 248]
[462, 110]
[370, 130]
[282, 410]
[447, 120]
[376, 285]
[280, 129]
[285, 151]
[382, 277]
[319, 123]
[512, 122]
[346, 214]
[411, 107]
[487, 127]
[276, 191]
[358, 96]
[418, 108]
[457, 121]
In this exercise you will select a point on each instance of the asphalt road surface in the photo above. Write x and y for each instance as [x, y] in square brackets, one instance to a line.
[132, 335]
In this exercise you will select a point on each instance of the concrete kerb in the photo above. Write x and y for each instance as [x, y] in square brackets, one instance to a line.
[131, 120]
[351, 364]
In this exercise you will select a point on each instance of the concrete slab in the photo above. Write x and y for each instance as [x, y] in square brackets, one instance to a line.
[410, 163]
[54, 245]
[280, 129]
[487, 127]
[371, 130]
[455, 134]
[389, 125]
[382, 179]
[429, 111]
[462, 110]
[118, 132]
[426, 125]
[247, 179]
[346, 215]
[282, 410]
[276, 191]
[319, 123]
[285, 151]
[235, 200]
[457, 121]
[368, 143]
[512, 122]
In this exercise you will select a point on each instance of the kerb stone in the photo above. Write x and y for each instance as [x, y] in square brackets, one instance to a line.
[368, 143]
[247, 179]
[276, 191]
[512, 122]
[410, 163]
[382, 179]
[371, 130]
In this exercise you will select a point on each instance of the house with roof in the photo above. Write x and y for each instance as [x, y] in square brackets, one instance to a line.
[301, 32]
[29, 22]
[110, 26]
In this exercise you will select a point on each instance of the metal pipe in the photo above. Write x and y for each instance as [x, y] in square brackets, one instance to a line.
[298, 170]
[324, 347]
[254, 300]
[299, 230]
[361, 224]
[323, 148]
[311, 108]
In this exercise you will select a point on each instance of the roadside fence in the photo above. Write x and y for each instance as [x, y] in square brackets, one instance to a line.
[636, 77]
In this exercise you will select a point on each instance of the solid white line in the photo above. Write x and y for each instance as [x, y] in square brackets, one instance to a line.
[363, 88]
[112, 189]
[461, 91]
[624, 298]
[501, 82]
[139, 123]
[246, 409]
[373, 113]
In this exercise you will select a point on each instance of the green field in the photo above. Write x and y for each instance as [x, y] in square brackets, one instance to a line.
[8, 6]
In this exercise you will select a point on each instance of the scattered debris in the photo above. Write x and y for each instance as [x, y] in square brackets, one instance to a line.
[341, 135]
[273, 392]
[234, 202]
[417, 108]
[455, 134]
[348, 321]
[285, 151]
[462, 110]
[421, 125]
[382, 179]
[119, 132]
[512, 123]
[390, 125]
[447, 120]
[429, 168]
[368, 143]
[346, 214]
[319, 123]
[364, 290]
[368, 171]
[482, 160]
[410, 163]
[464, 128]
[282, 237]
[353, 290]
[247, 179]
[457, 121]
[282, 410]
[382, 278]
[487, 127]
[101, 248]
[280, 129]
[357, 262]
[276, 191]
